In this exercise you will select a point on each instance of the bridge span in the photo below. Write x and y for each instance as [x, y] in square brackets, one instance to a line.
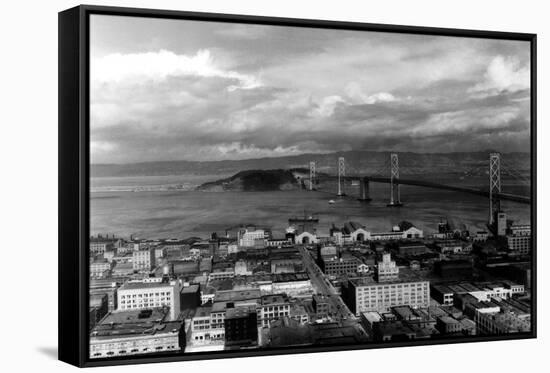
[365, 193]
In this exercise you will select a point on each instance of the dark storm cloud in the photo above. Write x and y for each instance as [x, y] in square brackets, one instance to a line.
[207, 91]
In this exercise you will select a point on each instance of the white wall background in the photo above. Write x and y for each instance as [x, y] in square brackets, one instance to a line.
[28, 186]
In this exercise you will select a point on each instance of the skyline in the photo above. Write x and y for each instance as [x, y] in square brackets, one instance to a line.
[170, 90]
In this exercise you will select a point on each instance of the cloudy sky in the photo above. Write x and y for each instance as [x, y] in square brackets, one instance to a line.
[186, 90]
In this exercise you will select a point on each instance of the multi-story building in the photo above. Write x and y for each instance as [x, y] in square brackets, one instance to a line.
[481, 236]
[99, 307]
[298, 312]
[411, 248]
[272, 307]
[519, 230]
[449, 293]
[151, 293]
[107, 287]
[190, 297]
[367, 295]
[500, 323]
[143, 260]
[100, 268]
[221, 273]
[241, 328]
[251, 237]
[442, 294]
[160, 252]
[519, 244]
[334, 266]
[321, 305]
[387, 270]
[296, 285]
[277, 242]
[99, 244]
[519, 239]
[450, 246]
[134, 332]
[448, 325]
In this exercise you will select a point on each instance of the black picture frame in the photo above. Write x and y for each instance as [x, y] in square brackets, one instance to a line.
[74, 177]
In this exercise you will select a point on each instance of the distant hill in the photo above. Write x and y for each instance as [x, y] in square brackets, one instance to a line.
[356, 162]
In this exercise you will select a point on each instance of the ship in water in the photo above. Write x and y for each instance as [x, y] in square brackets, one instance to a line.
[300, 220]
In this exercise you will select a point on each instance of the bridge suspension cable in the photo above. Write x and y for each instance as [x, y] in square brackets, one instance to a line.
[515, 173]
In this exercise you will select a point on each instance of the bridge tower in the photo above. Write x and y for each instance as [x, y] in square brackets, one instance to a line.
[311, 175]
[364, 190]
[395, 195]
[341, 174]
[494, 186]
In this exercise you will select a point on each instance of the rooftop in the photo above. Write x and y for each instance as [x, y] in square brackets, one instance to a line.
[203, 311]
[144, 285]
[237, 295]
[239, 312]
[406, 275]
[190, 289]
[448, 320]
[121, 324]
[274, 299]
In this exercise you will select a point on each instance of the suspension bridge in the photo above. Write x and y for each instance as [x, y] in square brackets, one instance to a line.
[389, 173]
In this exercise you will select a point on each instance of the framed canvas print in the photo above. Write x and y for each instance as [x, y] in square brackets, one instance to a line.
[233, 186]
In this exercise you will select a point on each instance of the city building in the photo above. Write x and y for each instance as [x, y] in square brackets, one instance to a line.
[241, 328]
[107, 287]
[133, 332]
[278, 242]
[442, 294]
[369, 320]
[160, 252]
[448, 325]
[305, 237]
[454, 268]
[459, 293]
[299, 313]
[296, 285]
[100, 268]
[519, 239]
[272, 307]
[411, 248]
[451, 246]
[203, 332]
[321, 305]
[366, 295]
[493, 323]
[351, 232]
[387, 270]
[205, 265]
[334, 266]
[251, 237]
[221, 273]
[99, 307]
[241, 268]
[501, 223]
[100, 244]
[151, 293]
[190, 297]
[403, 232]
[143, 260]
[481, 236]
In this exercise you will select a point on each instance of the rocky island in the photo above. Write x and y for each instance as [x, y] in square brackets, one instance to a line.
[258, 181]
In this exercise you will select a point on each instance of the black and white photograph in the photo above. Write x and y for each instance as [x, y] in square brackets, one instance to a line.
[258, 187]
